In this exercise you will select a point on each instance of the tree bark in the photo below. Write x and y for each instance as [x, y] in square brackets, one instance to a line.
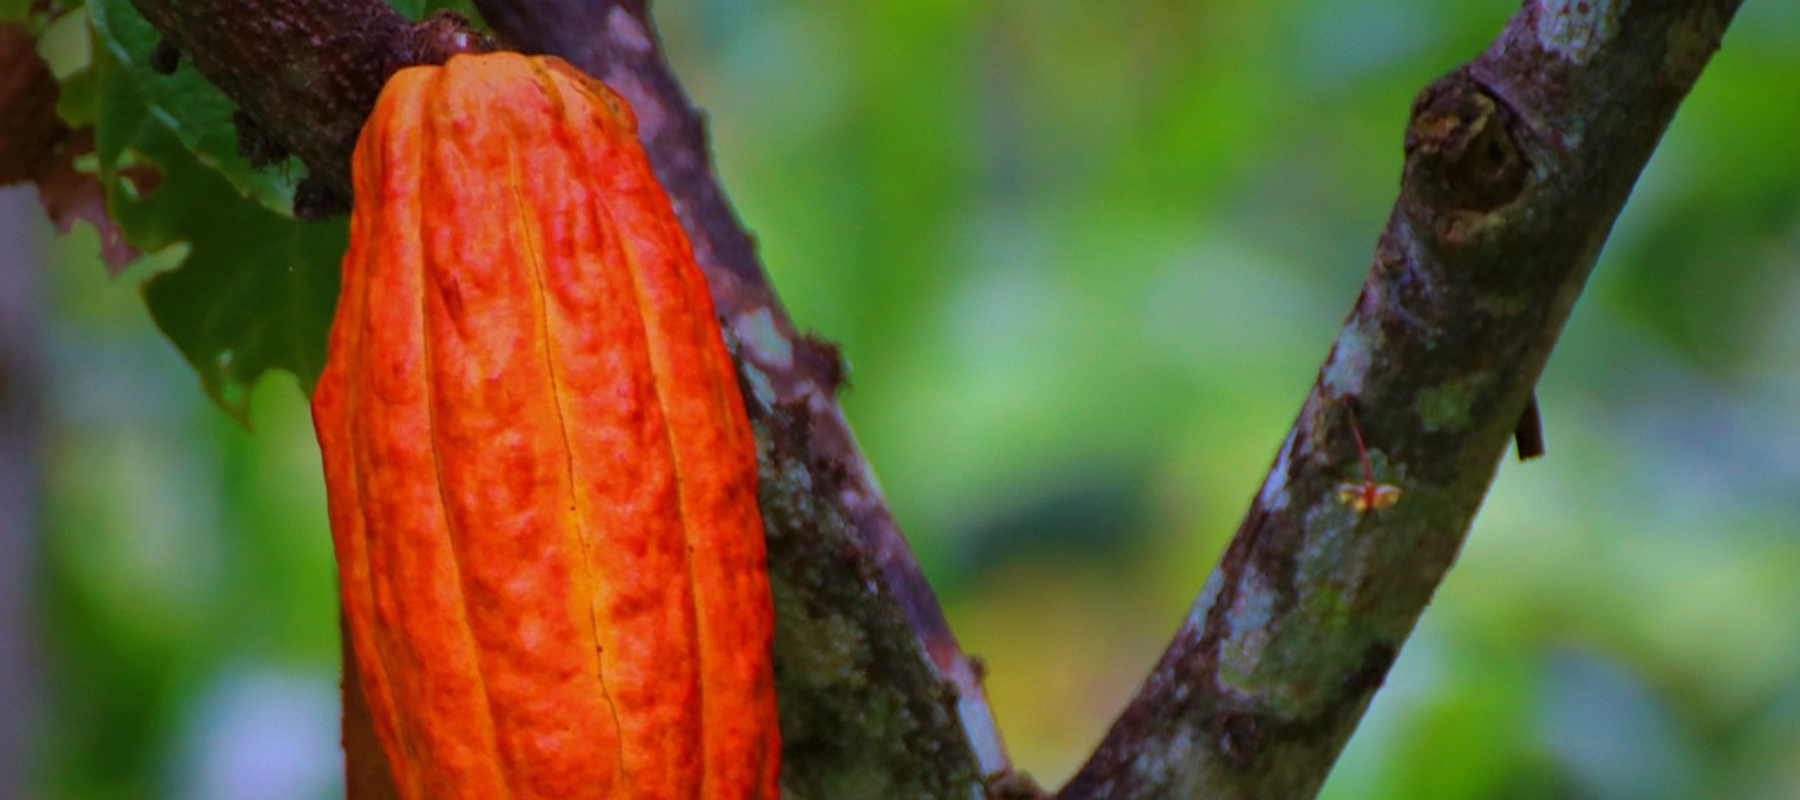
[1517, 164]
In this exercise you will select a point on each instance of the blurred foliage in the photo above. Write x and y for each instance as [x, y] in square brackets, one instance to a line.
[1084, 259]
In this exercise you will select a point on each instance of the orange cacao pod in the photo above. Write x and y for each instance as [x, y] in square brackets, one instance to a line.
[541, 480]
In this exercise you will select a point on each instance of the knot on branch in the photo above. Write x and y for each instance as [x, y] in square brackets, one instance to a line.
[442, 35]
[1462, 161]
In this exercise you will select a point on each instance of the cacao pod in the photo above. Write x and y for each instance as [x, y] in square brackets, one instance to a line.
[541, 479]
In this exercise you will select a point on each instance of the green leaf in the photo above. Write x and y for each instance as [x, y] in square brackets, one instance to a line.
[463, 8]
[257, 288]
[419, 9]
[193, 110]
[77, 105]
[256, 296]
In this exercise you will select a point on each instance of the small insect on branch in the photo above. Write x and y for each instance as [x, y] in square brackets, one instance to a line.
[1369, 495]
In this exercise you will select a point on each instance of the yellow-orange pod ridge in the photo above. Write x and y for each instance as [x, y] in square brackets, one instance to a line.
[541, 479]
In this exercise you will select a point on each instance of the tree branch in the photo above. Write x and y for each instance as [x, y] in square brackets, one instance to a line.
[819, 494]
[874, 689]
[1517, 164]
[304, 73]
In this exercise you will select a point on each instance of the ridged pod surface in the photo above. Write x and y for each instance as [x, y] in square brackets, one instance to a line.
[541, 480]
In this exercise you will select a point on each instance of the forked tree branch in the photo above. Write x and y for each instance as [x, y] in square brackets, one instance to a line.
[1517, 165]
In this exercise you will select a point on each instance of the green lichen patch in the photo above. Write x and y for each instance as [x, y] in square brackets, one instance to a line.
[1445, 406]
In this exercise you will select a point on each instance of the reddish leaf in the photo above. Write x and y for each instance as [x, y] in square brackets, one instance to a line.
[36, 145]
[29, 127]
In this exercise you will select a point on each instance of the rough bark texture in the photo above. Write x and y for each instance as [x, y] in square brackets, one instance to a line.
[1518, 162]
[304, 73]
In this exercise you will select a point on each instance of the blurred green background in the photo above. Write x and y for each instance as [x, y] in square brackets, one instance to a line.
[1084, 259]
